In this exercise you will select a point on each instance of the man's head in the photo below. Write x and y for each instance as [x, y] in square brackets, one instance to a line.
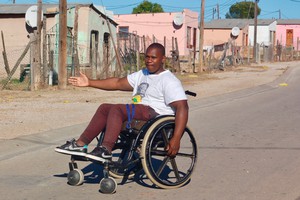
[155, 57]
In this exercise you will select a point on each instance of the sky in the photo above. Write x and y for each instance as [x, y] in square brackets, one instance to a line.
[286, 9]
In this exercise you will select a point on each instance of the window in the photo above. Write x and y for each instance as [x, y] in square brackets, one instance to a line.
[194, 38]
[123, 32]
[94, 38]
[189, 37]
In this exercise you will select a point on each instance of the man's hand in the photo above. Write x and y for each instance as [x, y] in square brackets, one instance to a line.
[81, 81]
[173, 147]
[181, 117]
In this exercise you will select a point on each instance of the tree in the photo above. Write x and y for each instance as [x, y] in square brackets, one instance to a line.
[147, 7]
[242, 10]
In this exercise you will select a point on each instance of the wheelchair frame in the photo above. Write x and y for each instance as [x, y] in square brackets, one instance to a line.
[144, 149]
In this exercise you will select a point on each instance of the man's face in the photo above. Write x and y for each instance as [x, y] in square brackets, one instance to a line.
[154, 61]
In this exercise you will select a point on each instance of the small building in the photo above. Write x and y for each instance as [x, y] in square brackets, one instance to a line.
[219, 31]
[164, 28]
[288, 33]
[91, 30]
[266, 32]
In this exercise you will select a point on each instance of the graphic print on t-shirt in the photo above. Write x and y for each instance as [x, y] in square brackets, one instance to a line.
[141, 91]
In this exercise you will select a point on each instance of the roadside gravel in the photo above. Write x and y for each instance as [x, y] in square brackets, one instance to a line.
[24, 113]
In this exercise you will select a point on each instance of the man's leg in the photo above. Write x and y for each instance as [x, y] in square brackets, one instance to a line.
[117, 115]
[95, 126]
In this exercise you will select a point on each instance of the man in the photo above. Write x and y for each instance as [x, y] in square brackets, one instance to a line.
[156, 91]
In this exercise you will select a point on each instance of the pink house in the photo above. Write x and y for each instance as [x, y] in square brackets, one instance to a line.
[288, 32]
[219, 31]
[162, 27]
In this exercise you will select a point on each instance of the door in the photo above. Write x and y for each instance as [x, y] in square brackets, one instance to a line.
[289, 37]
[94, 53]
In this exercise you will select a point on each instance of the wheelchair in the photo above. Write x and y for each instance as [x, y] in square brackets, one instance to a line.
[142, 147]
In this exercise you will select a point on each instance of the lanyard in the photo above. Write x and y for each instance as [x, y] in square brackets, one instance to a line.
[130, 115]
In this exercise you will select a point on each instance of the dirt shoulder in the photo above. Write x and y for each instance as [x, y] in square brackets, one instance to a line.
[24, 113]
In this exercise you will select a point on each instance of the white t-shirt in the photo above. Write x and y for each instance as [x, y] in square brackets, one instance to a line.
[156, 90]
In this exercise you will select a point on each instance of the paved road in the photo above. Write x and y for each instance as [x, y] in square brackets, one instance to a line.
[248, 149]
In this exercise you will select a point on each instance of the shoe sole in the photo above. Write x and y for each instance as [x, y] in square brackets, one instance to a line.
[97, 158]
[74, 153]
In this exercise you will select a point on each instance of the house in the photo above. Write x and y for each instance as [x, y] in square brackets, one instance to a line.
[288, 33]
[164, 28]
[89, 40]
[219, 31]
[224, 37]
[266, 32]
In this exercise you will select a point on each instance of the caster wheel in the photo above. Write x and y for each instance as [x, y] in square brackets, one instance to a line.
[108, 185]
[75, 177]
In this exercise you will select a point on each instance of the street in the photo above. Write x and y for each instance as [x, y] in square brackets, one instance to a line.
[248, 148]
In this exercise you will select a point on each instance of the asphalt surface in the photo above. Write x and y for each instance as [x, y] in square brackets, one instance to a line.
[245, 152]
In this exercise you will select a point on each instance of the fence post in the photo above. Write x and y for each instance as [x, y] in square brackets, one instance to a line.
[6, 65]
[257, 53]
[165, 43]
[75, 39]
[248, 53]
[45, 61]
[144, 44]
[138, 60]
[34, 62]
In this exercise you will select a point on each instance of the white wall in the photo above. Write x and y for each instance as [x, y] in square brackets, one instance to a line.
[263, 34]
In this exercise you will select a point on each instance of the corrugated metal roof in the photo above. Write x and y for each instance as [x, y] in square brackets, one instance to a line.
[51, 9]
[288, 21]
[230, 23]
[22, 8]
[226, 23]
[263, 22]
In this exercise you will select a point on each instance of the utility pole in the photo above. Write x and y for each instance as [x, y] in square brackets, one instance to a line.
[201, 34]
[35, 49]
[218, 11]
[255, 30]
[38, 37]
[279, 11]
[62, 60]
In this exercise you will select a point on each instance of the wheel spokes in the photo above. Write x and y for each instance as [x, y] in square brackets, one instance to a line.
[162, 166]
[175, 168]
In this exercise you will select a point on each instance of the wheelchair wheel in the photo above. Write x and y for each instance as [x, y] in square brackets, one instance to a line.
[163, 171]
[108, 185]
[75, 177]
[126, 162]
[120, 166]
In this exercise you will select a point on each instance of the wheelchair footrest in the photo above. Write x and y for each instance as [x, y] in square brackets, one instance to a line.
[79, 158]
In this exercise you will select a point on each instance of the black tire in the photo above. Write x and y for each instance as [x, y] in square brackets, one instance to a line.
[163, 171]
[108, 185]
[75, 177]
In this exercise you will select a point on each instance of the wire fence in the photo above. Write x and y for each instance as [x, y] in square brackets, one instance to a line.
[15, 68]
[221, 56]
[15, 61]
